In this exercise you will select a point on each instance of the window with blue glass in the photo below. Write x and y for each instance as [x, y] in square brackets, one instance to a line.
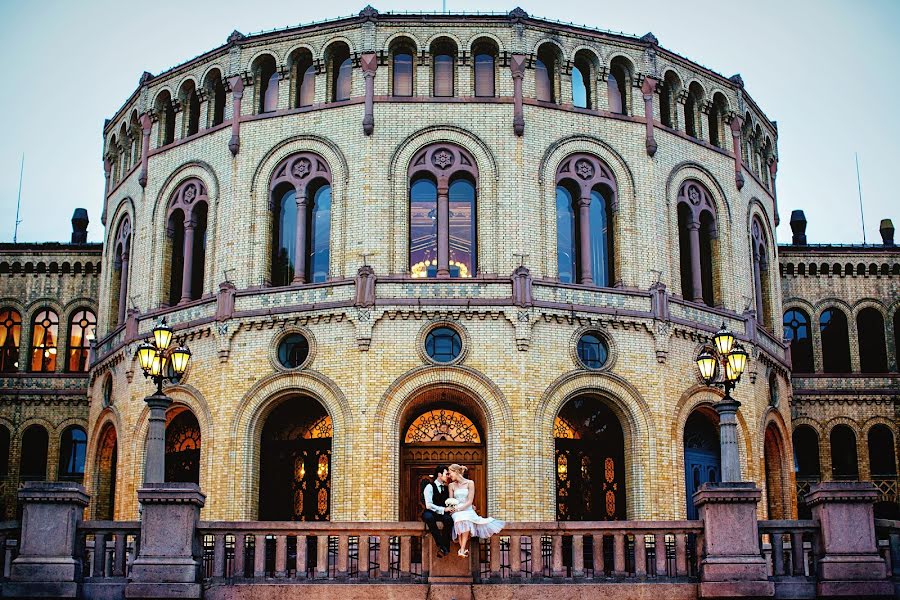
[72, 453]
[593, 352]
[443, 344]
[293, 350]
[796, 331]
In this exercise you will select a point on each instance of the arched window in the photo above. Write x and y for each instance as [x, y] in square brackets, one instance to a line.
[10, 336]
[761, 276]
[882, 452]
[583, 80]
[590, 462]
[4, 452]
[82, 329]
[835, 341]
[33, 461]
[165, 113]
[872, 346]
[183, 448]
[798, 333]
[546, 66]
[844, 465]
[135, 136]
[585, 202]
[442, 212]
[118, 289]
[295, 462]
[443, 53]
[340, 71]
[485, 57]
[696, 234]
[124, 152]
[186, 231]
[303, 76]
[107, 458]
[72, 452]
[300, 193]
[702, 462]
[897, 339]
[215, 92]
[716, 119]
[190, 103]
[668, 92]
[618, 84]
[776, 478]
[44, 333]
[265, 79]
[806, 465]
[692, 103]
[403, 54]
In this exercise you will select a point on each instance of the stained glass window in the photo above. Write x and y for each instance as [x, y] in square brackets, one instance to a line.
[442, 426]
[183, 448]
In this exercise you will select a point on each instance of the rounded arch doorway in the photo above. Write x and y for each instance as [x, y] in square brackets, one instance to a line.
[295, 462]
[440, 426]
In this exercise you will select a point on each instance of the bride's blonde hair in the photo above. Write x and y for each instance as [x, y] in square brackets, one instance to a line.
[458, 469]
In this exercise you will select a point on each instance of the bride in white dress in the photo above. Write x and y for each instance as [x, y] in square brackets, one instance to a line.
[466, 522]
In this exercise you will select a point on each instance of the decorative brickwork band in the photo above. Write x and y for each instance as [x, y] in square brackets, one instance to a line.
[517, 67]
[648, 88]
[237, 94]
[369, 64]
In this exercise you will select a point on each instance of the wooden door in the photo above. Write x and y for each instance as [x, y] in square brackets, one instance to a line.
[417, 464]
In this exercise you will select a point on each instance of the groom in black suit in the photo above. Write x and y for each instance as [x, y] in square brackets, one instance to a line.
[436, 494]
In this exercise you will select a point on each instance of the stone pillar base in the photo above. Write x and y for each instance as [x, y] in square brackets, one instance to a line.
[736, 589]
[168, 565]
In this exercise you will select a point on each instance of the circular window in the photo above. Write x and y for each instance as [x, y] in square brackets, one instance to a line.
[593, 352]
[443, 344]
[293, 350]
[107, 392]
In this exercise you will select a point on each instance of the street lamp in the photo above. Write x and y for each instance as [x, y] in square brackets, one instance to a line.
[732, 358]
[160, 363]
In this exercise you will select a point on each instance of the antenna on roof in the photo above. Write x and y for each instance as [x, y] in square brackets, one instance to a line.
[19, 201]
[862, 217]
[443, 5]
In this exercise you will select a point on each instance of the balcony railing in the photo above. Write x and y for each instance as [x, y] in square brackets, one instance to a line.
[107, 549]
[789, 548]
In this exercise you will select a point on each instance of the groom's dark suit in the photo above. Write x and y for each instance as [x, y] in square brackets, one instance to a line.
[432, 513]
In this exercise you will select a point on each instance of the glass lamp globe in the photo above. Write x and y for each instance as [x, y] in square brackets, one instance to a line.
[180, 357]
[737, 360]
[162, 335]
[156, 365]
[724, 340]
[145, 354]
[706, 362]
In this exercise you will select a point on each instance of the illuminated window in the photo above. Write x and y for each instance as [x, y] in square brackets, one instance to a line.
[10, 334]
[82, 330]
[45, 330]
[442, 426]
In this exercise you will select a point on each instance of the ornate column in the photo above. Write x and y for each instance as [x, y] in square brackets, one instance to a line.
[123, 284]
[648, 88]
[187, 272]
[736, 124]
[443, 228]
[300, 237]
[237, 93]
[731, 462]
[369, 64]
[696, 282]
[517, 68]
[146, 127]
[584, 239]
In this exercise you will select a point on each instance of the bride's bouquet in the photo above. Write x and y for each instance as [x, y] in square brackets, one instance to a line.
[451, 502]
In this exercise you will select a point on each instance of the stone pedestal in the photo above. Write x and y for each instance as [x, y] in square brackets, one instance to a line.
[850, 564]
[168, 565]
[733, 566]
[449, 577]
[49, 564]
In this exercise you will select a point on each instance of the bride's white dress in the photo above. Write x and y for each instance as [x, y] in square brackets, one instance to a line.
[468, 519]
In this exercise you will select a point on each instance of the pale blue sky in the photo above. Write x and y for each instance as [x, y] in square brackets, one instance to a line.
[824, 70]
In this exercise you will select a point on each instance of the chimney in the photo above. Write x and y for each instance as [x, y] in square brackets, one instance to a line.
[887, 232]
[798, 226]
[79, 226]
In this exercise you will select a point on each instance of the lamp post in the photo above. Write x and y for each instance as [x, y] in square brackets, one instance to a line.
[160, 363]
[733, 360]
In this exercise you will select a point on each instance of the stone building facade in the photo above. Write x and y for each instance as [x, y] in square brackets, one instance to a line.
[393, 241]
[48, 308]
